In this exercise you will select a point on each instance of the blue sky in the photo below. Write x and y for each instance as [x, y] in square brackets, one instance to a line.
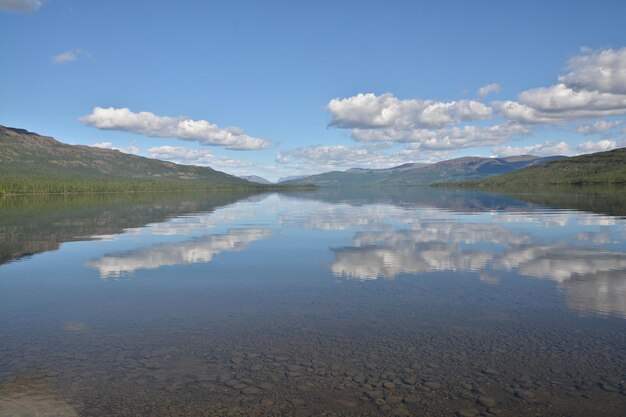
[277, 88]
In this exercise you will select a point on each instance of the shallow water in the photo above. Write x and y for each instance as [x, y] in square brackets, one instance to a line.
[364, 302]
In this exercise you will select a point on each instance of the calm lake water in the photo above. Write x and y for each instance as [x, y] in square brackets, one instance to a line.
[413, 301]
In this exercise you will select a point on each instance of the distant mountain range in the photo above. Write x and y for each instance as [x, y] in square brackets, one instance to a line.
[459, 169]
[291, 178]
[256, 179]
[404, 167]
[596, 168]
[33, 163]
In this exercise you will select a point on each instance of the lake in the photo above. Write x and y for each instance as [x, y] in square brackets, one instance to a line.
[409, 301]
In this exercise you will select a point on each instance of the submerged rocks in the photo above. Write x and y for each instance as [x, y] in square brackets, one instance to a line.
[434, 385]
[525, 395]
[250, 391]
[486, 401]
[467, 412]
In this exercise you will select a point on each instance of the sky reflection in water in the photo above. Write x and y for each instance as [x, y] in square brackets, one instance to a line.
[583, 253]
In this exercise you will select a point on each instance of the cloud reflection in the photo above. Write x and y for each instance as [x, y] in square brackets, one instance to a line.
[593, 280]
[371, 262]
[198, 250]
[592, 276]
[604, 292]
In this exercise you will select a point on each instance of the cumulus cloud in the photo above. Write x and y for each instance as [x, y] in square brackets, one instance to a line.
[426, 124]
[181, 155]
[327, 157]
[594, 86]
[560, 103]
[601, 70]
[131, 148]
[200, 157]
[21, 6]
[371, 111]
[484, 91]
[448, 138]
[150, 124]
[185, 156]
[547, 148]
[331, 154]
[599, 127]
[601, 145]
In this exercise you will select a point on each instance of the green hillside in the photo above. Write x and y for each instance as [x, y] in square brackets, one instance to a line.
[30, 163]
[596, 168]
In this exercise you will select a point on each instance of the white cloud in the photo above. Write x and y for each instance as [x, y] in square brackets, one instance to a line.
[150, 124]
[484, 91]
[547, 148]
[332, 157]
[601, 126]
[186, 156]
[131, 148]
[182, 155]
[448, 138]
[595, 86]
[560, 103]
[67, 56]
[103, 145]
[368, 111]
[563, 101]
[21, 6]
[600, 146]
[601, 70]
[426, 124]
[201, 157]
[592, 87]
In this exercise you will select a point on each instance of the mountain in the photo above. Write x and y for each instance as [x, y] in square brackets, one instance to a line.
[256, 179]
[465, 168]
[399, 168]
[33, 163]
[595, 168]
[291, 178]
[459, 169]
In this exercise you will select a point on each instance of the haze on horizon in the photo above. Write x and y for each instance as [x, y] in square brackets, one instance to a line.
[280, 89]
